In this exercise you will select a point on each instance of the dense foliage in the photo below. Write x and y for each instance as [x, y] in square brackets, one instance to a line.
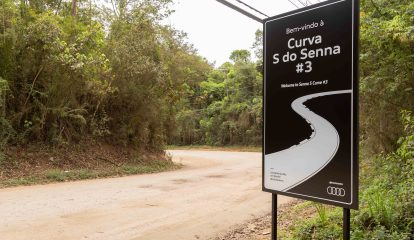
[73, 70]
[224, 109]
[387, 101]
[387, 70]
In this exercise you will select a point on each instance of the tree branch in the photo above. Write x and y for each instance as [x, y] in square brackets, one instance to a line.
[33, 83]
[377, 8]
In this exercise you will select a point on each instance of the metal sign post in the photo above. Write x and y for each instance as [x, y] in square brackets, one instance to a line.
[346, 227]
[274, 216]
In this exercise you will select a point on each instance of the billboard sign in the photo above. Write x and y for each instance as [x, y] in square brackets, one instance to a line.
[311, 102]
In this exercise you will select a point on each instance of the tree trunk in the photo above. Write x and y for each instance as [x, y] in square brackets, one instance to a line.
[74, 5]
[2, 105]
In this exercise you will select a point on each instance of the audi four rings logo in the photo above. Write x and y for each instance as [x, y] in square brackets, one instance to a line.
[335, 191]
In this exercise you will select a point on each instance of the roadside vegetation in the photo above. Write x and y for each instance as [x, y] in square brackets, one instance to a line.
[40, 164]
[225, 109]
[74, 73]
[59, 175]
[90, 91]
[78, 72]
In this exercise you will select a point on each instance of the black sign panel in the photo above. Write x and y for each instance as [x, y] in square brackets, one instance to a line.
[311, 102]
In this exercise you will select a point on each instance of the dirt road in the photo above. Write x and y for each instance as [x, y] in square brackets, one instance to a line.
[212, 193]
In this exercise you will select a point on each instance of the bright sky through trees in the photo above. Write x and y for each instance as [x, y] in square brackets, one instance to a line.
[216, 30]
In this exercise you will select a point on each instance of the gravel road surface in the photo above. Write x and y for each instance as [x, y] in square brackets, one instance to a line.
[213, 192]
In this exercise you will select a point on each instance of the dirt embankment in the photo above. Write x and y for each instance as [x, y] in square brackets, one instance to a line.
[37, 163]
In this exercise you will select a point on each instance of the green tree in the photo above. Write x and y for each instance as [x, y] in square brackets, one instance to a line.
[387, 70]
[72, 71]
[228, 106]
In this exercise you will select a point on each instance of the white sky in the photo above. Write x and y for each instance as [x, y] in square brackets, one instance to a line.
[216, 30]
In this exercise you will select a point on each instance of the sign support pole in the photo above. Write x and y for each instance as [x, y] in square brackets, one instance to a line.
[274, 216]
[245, 13]
[346, 228]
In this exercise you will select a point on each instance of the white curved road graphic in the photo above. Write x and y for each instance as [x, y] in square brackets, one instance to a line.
[291, 167]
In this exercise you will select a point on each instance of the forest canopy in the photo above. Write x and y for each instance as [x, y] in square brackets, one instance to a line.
[71, 71]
